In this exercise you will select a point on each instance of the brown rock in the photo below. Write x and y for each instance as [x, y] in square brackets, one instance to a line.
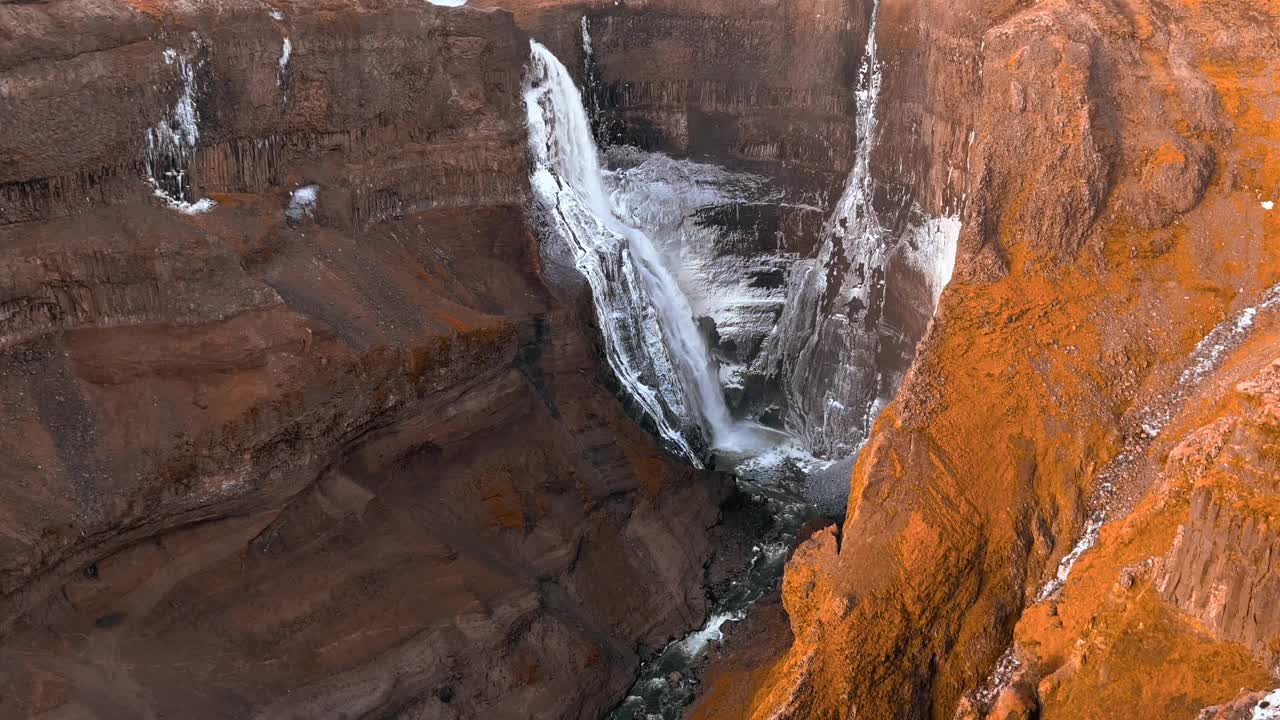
[361, 463]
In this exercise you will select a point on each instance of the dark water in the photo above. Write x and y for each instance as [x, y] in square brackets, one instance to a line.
[669, 682]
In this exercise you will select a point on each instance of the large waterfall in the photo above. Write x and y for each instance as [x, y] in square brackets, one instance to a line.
[652, 340]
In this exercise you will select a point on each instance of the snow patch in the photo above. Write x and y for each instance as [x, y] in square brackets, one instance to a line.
[448, 3]
[276, 15]
[1268, 708]
[1268, 204]
[302, 203]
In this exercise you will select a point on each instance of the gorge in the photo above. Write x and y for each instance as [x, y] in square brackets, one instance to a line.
[639, 358]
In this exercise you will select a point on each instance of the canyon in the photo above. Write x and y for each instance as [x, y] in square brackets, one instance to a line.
[380, 358]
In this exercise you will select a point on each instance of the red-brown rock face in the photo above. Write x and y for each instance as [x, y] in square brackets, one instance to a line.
[353, 459]
[356, 458]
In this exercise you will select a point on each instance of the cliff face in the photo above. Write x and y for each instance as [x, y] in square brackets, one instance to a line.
[1174, 608]
[334, 445]
[768, 89]
[337, 445]
[1117, 211]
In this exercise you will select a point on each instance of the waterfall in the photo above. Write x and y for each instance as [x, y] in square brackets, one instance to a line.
[652, 341]
[826, 351]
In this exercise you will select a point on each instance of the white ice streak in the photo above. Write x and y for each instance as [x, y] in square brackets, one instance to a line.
[824, 347]
[171, 144]
[652, 342]
[1212, 350]
[285, 51]
[1206, 358]
[1092, 530]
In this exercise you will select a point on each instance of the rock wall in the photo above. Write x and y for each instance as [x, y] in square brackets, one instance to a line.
[1112, 219]
[290, 457]
[1173, 609]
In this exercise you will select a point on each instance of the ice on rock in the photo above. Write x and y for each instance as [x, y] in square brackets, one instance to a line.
[285, 51]
[302, 203]
[171, 144]
[827, 343]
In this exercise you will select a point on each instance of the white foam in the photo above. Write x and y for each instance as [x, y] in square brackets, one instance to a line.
[774, 458]
[696, 643]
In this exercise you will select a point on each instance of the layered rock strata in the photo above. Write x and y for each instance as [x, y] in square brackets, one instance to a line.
[298, 426]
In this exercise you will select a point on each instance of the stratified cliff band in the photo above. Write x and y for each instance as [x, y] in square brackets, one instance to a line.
[300, 420]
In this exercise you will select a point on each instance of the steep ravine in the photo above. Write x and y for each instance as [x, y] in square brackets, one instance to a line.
[636, 231]
[317, 410]
[1110, 167]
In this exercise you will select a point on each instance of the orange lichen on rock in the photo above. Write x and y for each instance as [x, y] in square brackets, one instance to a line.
[1104, 237]
[1154, 615]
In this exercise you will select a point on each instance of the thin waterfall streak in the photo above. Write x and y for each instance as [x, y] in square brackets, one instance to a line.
[826, 350]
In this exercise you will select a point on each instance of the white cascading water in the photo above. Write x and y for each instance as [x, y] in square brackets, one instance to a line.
[825, 348]
[652, 340]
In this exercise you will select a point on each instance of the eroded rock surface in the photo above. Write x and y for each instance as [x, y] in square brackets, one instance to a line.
[1056, 354]
[334, 445]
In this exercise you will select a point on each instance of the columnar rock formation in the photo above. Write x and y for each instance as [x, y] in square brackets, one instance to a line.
[332, 446]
